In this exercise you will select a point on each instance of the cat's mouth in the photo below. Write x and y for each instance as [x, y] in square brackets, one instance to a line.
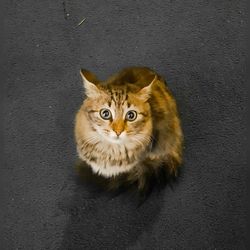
[116, 140]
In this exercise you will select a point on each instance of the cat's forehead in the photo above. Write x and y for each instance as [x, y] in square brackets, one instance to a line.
[124, 98]
[118, 96]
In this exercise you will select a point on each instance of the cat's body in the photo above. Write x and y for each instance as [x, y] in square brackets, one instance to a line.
[128, 126]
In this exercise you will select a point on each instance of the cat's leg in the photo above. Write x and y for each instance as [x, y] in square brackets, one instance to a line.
[167, 164]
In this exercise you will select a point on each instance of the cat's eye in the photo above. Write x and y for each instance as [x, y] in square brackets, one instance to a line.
[105, 114]
[131, 115]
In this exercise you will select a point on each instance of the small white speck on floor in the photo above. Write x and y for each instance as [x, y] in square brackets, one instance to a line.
[50, 106]
[37, 45]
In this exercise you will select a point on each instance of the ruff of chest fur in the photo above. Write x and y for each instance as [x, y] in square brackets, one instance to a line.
[107, 158]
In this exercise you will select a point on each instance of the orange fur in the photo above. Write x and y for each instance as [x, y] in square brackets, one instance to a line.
[116, 146]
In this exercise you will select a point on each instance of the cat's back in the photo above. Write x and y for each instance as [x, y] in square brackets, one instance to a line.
[139, 76]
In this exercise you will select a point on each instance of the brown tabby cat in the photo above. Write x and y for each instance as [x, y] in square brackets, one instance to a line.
[127, 129]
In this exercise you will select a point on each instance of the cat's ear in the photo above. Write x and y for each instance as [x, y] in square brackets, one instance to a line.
[145, 93]
[89, 82]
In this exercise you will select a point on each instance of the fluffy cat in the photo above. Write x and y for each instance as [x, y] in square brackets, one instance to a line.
[128, 130]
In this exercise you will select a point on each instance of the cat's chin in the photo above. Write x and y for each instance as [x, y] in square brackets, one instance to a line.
[114, 139]
[118, 140]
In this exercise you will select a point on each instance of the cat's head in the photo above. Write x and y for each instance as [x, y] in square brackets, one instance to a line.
[119, 114]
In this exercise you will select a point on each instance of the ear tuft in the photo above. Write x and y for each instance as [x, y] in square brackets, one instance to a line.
[145, 93]
[89, 82]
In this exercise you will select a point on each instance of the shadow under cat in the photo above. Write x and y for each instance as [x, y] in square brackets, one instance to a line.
[151, 179]
[102, 219]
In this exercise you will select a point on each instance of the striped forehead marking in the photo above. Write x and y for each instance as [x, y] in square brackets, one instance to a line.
[119, 96]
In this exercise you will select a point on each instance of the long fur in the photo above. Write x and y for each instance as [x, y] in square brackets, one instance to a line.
[149, 149]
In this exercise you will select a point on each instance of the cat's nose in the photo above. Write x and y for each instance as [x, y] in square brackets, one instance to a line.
[118, 127]
[118, 132]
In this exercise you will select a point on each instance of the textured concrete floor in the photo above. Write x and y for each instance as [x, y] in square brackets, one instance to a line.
[199, 47]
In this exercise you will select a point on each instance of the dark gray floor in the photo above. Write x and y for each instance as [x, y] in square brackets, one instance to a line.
[199, 47]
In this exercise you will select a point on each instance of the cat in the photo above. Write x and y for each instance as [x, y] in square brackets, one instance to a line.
[128, 130]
